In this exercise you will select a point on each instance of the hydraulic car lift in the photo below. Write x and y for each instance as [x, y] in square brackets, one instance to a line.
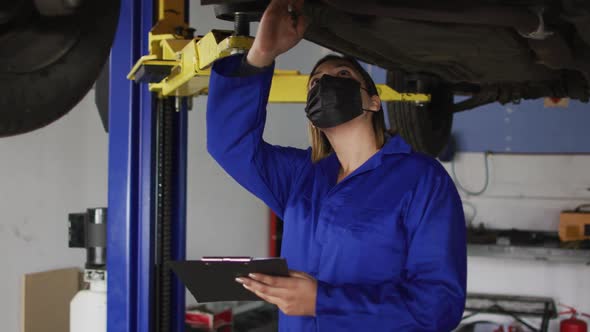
[147, 153]
[178, 65]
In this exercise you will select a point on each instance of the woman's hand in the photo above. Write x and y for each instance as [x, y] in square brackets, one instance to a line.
[278, 31]
[294, 295]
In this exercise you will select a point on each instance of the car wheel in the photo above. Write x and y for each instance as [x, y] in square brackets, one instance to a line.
[426, 127]
[49, 63]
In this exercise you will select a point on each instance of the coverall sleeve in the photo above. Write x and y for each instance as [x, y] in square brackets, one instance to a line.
[236, 114]
[431, 295]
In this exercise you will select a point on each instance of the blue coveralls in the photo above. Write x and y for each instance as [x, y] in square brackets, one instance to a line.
[387, 244]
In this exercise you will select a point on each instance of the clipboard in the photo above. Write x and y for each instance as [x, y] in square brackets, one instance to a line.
[213, 279]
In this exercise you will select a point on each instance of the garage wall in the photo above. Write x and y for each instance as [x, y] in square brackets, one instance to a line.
[526, 192]
[44, 175]
[526, 127]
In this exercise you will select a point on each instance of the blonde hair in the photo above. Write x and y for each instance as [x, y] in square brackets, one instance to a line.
[320, 145]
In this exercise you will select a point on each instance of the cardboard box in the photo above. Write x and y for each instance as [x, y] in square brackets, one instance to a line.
[46, 299]
[574, 225]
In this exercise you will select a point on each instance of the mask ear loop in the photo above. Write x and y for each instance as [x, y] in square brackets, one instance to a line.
[368, 110]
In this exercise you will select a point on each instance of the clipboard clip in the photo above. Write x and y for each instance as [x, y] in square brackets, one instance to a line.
[243, 259]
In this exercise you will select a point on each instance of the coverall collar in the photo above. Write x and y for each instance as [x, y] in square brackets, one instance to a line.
[394, 145]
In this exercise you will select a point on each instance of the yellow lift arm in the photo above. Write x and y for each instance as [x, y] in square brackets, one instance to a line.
[179, 65]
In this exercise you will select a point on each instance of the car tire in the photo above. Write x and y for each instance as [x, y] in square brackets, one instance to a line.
[426, 127]
[34, 98]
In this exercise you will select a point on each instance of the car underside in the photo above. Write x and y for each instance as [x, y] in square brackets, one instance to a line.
[486, 50]
[493, 50]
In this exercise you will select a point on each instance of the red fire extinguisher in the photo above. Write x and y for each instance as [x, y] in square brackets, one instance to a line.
[573, 324]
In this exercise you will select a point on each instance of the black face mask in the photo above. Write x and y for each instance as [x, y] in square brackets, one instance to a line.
[334, 101]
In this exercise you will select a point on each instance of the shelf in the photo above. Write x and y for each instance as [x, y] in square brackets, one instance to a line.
[579, 256]
[512, 305]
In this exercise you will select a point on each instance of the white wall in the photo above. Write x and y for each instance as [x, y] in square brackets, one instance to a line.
[526, 192]
[44, 175]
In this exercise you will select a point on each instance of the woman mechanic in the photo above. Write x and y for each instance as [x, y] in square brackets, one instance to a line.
[374, 233]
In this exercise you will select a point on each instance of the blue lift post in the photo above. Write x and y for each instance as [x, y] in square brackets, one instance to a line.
[131, 192]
